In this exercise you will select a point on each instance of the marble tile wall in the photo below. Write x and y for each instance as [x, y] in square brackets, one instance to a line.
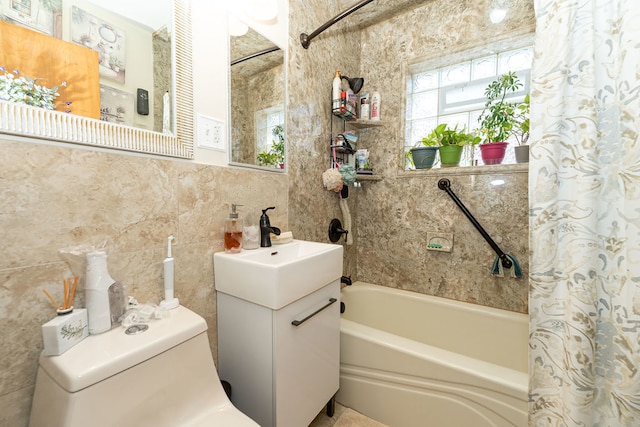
[395, 214]
[309, 75]
[392, 216]
[55, 197]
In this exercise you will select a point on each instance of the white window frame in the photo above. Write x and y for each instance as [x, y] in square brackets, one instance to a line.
[466, 112]
[264, 135]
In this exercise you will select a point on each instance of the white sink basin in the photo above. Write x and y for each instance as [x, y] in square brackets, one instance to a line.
[275, 277]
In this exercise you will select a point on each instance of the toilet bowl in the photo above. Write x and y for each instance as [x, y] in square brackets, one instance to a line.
[161, 376]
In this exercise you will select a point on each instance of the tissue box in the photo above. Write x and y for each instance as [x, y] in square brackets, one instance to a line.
[65, 331]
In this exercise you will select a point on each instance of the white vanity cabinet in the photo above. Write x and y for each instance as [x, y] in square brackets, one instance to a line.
[283, 365]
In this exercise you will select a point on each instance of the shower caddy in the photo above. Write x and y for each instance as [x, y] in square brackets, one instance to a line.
[345, 154]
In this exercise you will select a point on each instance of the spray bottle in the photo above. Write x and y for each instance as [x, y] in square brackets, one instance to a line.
[169, 302]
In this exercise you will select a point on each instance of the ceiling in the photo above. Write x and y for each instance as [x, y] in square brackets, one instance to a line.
[248, 44]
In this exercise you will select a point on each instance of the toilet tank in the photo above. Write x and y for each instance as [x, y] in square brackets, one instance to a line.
[163, 376]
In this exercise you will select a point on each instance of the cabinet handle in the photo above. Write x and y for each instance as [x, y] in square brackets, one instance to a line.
[300, 322]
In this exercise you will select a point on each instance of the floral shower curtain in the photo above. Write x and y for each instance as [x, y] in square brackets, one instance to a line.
[584, 180]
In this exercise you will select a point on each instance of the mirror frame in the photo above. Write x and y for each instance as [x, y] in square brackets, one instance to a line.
[27, 121]
[229, 124]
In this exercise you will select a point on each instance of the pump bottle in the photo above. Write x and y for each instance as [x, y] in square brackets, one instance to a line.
[335, 92]
[233, 232]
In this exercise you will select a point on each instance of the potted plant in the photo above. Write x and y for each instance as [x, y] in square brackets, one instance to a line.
[451, 141]
[275, 155]
[521, 130]
[21, 89]
[423, 156]
[498, 118]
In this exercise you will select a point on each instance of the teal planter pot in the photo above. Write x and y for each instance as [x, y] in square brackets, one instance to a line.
[423, 157]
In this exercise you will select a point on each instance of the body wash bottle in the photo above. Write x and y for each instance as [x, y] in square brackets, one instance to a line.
[233, 232]
[375, 106]
[335, 91]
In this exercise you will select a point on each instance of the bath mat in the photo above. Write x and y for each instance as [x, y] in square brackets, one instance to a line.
[351, 418]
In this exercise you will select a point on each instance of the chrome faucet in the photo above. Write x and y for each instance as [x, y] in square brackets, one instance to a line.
[266, 229]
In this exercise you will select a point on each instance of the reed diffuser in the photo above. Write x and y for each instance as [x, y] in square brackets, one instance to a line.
[69, 327]
[69, 295]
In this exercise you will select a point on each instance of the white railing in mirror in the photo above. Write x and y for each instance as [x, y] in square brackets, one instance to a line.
[24, 120]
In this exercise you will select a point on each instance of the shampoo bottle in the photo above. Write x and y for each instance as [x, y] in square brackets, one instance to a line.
[233, 232]
[335, 92]
[375, 106]
[364, 106]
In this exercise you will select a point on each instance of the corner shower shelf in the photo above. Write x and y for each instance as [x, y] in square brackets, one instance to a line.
[363, 123]
[349, 119]
[366, 177]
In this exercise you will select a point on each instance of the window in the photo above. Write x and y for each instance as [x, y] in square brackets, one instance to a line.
[266, 121]
[454, 94]
[269, 128]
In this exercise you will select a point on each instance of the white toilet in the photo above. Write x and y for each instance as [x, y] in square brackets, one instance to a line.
[162, 376]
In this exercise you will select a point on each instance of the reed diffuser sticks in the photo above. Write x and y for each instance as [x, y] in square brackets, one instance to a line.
[69, 294]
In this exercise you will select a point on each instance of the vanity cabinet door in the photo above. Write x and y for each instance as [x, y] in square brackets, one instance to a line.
[306, 356]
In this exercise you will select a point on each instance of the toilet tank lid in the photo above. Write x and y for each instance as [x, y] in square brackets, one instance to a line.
[101, 356]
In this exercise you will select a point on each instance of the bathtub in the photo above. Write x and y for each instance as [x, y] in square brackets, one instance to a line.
[409, 359]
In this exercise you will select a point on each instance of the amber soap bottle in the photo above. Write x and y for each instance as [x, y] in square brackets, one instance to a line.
[233, 232]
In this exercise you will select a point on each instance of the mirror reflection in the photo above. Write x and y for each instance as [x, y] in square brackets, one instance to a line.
[257, 102]
[105, 60]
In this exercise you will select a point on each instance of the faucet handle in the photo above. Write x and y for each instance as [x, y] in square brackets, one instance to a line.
[264, 211]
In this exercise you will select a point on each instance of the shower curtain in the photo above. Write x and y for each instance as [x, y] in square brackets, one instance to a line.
[584, 180]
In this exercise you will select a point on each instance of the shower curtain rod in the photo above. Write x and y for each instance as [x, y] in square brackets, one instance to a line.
[445, 185]
[305, 38]
[255, 55]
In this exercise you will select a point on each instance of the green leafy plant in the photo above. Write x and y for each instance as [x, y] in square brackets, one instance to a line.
[408, 159]
[443, 135]
[25, 90]
[521, 128]
[498, 117]
[275, 155]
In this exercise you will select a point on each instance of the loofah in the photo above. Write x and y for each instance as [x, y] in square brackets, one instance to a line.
[332, 180]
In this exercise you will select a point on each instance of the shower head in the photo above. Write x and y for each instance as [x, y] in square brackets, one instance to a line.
[355, 83]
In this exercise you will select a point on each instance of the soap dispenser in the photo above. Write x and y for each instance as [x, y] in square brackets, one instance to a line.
[233, 232]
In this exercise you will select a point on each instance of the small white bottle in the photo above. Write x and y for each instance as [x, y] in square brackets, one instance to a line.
[335, 92]
[375, 106]
[97, 286]
[364, 106]
[169, 302]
